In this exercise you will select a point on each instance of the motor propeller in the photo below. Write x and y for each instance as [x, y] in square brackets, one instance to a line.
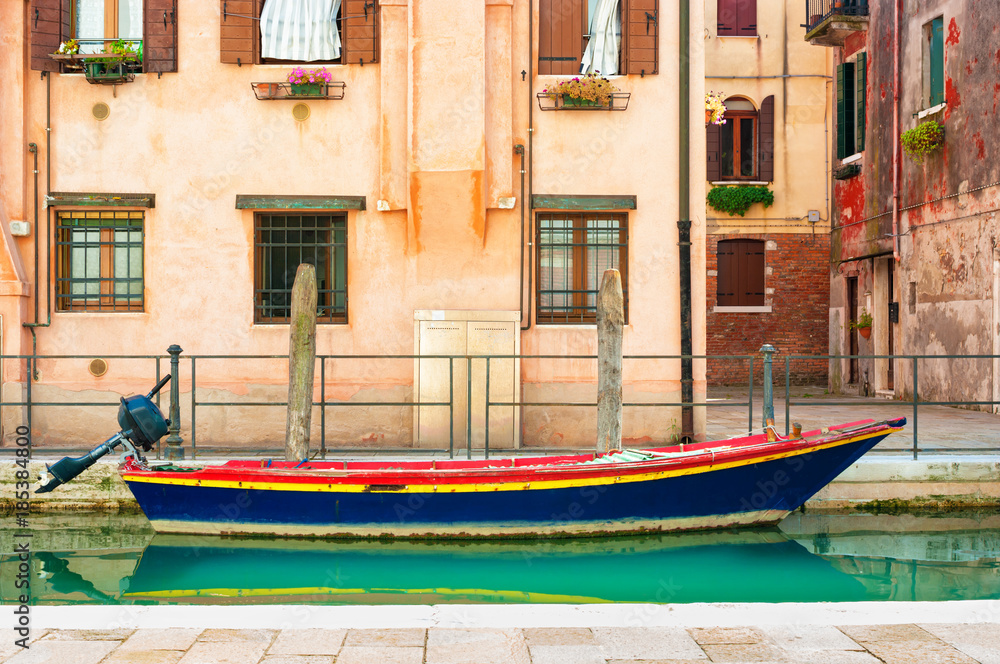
[142, 425]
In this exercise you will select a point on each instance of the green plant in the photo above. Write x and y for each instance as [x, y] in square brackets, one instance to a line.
[922, 139]
[125, 50]
[864, 320]
[69, 47]
[737, 200]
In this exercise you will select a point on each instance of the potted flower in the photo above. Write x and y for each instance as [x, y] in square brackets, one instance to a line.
[863, 324]
[127, 56]
[310, 83]
[588, 90]
[922, 140]
[68, 47]
[715, 110]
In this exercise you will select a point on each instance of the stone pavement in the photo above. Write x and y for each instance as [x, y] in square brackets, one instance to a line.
[809, 644]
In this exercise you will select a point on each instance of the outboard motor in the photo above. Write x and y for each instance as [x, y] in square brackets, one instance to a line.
[142, 425]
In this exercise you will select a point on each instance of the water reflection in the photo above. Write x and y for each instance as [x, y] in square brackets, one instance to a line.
[810, 560]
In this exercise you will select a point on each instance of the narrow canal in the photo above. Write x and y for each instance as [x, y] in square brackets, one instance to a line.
[116, 559]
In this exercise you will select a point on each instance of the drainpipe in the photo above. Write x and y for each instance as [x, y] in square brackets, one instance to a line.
[684, 223]
[519, 150]
[526, 200]
[895, 132]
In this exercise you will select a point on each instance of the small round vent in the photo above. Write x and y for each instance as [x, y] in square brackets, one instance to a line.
[101, 110]
[98, 367]
[300, 112]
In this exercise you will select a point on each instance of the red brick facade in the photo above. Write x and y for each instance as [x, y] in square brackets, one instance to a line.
[797, 288]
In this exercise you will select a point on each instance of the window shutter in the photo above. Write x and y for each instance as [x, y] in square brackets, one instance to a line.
[740, 266]
[360, 31]
[159, 34]
[861, 74]
[937, 61]
[841, 115]
[49, 24]
[713, 149]
[766, 141]
[753, 274]
[642, 36]
[726, 20]
[746, 18]
[561, 26]
[239, 35]
[726, 281]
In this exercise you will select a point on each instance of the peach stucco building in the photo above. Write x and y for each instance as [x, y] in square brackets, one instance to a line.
[447, 209]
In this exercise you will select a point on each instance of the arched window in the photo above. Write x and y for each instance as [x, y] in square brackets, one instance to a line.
[742, 148]
[741, 273]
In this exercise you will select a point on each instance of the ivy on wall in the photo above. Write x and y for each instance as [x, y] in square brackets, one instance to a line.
[737, 200]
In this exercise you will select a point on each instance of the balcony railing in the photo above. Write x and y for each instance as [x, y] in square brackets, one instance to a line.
[829, 22]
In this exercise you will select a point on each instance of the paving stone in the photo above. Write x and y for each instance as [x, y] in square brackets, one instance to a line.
[386, 637]
[797, 638]
[64, 652]
[722, 635]
[560, 654]
[87, 635]
[120, 656]
[476, 646]
[160, 639]
[308, 642]
[744, 652]
[923, 652]
[224, 652]
[264, 636]
[864, 633]
[559, 636]
[380, 655]
[980, 641]
[297, 659]
[647, 643]
[833, 657]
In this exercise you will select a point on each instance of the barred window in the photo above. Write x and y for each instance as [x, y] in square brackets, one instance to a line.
[99, 261]
[573, 252]
[284, 241]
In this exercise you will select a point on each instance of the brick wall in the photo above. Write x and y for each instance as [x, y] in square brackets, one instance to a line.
[797, 288]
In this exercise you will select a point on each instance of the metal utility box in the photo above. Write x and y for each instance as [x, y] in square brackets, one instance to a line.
[463, 335]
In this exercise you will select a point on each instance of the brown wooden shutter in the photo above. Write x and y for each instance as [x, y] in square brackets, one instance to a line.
[159, 48]
[359, 33]
[726, 19]
[49, 24]
[240, 33]
[752, 268]
[642, 36]
[746, 18]
[765, 126]
[713, 139]
[726, 281]
[562, 25]
[740, 281]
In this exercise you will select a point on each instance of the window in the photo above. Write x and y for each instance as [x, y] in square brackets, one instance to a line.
[151, 23]
[851, 101]
[287, 31]
[567, 28]
[741, 273]
[933, 56]
[99, 261]
[737, 18]
[742, 148]
[574, 250]
[284, 241]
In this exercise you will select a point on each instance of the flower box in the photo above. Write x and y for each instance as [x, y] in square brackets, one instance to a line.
[268, 91]
[553, 101]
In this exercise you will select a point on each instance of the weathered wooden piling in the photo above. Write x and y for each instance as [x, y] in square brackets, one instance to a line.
[610, 322]
[301, 363]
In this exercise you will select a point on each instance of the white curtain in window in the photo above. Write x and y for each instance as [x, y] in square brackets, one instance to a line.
[601, 56]
[303, 30]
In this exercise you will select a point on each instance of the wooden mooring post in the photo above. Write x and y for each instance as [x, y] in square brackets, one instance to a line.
[610, 322]
[301, 363]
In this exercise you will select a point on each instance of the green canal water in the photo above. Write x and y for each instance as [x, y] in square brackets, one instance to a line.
[114, 559]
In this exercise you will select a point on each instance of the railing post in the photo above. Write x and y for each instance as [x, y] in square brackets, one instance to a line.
[768, 350]
[916, 382]
[174, 450]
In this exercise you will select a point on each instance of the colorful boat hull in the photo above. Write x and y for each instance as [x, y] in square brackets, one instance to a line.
[744, 482]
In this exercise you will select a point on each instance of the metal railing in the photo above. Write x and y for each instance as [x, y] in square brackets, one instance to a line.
[818, 11]
[913, 404]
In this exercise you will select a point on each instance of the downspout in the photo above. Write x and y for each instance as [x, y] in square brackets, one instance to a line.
[895, 132]
[526, 200]
[684, 223]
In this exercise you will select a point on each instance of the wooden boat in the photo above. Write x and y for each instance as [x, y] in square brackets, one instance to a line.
[748, 481]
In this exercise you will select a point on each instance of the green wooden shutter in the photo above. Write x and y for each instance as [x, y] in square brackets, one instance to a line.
[841, 115]
[937, 61]
[861, 74]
